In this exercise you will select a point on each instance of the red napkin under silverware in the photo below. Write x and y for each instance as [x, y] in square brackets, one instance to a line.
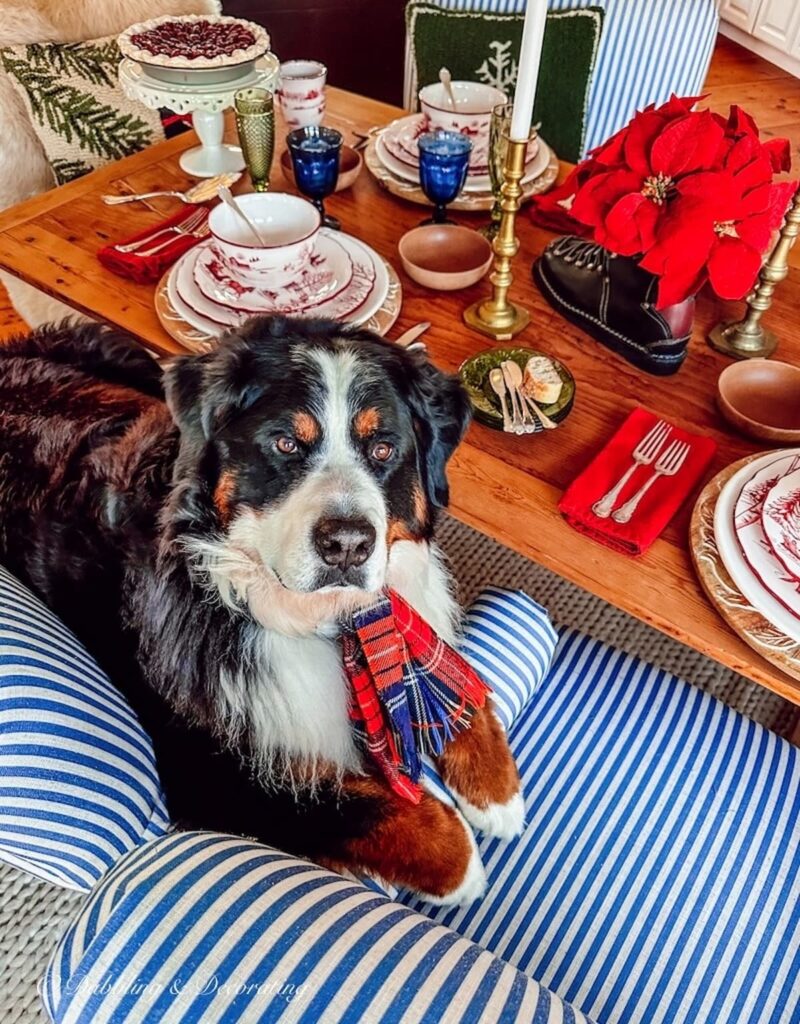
[150, 268]
[658, 505]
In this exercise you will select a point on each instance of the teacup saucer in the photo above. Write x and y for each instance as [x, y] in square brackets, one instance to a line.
[329, 272]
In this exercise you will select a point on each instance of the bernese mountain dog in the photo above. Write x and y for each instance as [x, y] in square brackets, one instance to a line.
[203, 529]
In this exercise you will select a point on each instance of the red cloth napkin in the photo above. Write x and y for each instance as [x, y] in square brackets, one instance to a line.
[149, 268]
[658, 505]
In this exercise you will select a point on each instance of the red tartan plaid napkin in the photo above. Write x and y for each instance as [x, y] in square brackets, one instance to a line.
[658, 505]
[411, 691]
[149, 268]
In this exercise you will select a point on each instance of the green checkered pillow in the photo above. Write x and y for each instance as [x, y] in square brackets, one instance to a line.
[480, 46]
[75, 104]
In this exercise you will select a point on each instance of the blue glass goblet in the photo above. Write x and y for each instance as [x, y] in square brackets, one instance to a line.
[315, 158]
[443, 166]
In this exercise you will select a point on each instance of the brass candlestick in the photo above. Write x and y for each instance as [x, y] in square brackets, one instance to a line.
[748, 339]
[496, 316]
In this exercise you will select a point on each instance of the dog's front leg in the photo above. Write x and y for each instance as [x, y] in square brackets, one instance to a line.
[479, 769]
[426, 847]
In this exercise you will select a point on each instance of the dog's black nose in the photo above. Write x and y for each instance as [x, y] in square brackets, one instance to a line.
[344, 543]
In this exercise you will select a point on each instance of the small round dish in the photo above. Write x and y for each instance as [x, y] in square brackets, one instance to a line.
[761, 398]
[444, 256]
[474, 373]
[350, 164]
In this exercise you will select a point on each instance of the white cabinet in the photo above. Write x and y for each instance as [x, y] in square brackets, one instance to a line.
[771, 28]
[741, 13]
[777, 23]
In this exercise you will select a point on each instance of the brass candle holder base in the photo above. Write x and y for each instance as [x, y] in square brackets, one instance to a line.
[733, 338]
[747, 339]
[496, 317]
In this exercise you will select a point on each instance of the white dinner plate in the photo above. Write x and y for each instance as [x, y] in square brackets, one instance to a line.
[474, 183]
[370, 285]
[780, 518]
[729, 530]
[328, 273]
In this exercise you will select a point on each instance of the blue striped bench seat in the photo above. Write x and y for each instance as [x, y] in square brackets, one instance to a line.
[657, 880]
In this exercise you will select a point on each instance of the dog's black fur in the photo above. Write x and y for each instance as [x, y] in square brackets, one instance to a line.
[101, 482]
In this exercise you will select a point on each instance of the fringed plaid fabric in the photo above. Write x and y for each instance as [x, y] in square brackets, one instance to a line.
[411, 692]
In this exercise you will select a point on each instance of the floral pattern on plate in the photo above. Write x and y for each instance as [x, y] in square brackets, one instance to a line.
[753, 565]
[780, 518]
[328, 272]
[401, 137]
[366, 293]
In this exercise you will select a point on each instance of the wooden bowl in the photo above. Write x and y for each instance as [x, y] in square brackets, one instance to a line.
[445, 256]
[350, 164]
[761, 398]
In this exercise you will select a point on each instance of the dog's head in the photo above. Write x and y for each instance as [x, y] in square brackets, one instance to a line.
[315, 448]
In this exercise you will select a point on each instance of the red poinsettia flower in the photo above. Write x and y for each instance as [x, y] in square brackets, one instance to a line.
[717, 230]
[626, 204]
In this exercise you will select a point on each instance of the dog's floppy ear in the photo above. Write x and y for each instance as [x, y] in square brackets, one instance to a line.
[441, 411]
[203, 392]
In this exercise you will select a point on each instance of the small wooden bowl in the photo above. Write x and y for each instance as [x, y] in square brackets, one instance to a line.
[350, 164]
[761, 398]
[444, 256]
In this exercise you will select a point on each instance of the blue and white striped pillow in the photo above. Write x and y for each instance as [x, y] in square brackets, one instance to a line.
[78, 781]
[198, 926]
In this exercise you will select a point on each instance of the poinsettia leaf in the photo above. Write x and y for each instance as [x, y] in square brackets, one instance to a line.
[678, 284]
[779, 152]
[716, 189]
[758, 172]
[733, 267]
[740, 122]
[756, 231]
[612, 151]
[644, 129]
[600, 193]
[677, 106]
[691, 143]
[743, 151]
[620, 230]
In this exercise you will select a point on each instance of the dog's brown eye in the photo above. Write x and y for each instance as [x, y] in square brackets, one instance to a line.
[382, 451]
[286, 446]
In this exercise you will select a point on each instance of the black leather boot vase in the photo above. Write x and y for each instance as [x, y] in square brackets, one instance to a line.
[613, 299]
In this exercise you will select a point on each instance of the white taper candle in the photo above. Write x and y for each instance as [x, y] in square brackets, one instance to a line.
[530, 55]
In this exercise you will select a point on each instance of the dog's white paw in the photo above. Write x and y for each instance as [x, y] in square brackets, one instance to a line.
[504, 821]
[473, 884]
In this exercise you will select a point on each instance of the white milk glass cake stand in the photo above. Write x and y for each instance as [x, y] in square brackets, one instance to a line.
[205, 101]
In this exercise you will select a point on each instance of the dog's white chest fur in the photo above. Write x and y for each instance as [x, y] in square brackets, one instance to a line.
[296, 706]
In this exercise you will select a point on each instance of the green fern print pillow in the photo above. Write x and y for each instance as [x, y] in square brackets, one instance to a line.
[73, 98]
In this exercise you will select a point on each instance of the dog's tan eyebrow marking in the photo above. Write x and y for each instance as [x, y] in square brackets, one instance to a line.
[223, 495]
[306, 427]
[420, 505]
[367, 421]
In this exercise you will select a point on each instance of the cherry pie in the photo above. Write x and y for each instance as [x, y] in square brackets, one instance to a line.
[194, 41]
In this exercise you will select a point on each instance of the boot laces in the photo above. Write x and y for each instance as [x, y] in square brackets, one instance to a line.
[588, 255]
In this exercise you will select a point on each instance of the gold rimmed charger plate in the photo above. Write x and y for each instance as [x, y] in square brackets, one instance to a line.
[468, 201]
[198, 341]
[745, 620]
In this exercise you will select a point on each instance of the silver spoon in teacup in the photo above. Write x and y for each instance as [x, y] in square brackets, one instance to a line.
[447, 81]
[226, 196]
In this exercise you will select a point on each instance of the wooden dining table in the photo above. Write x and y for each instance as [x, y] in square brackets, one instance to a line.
[505, 486]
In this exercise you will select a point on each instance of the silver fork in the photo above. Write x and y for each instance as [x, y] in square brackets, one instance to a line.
[194, 220]
[668, 465]
[643, 454]
[200, 232]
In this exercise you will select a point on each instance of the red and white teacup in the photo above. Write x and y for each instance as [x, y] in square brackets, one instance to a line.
[287, 225]
[301, 92]
[472, 114]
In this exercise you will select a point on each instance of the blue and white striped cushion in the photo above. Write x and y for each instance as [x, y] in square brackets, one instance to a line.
[200, 927]
[78, 783]
[648, 50]
[510, 641]
[658, 878]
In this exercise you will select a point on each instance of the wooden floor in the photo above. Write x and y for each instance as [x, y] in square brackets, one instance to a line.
[770, 94]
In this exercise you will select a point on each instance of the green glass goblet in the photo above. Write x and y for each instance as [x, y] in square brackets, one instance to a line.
[255, 123]
[499, 127]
